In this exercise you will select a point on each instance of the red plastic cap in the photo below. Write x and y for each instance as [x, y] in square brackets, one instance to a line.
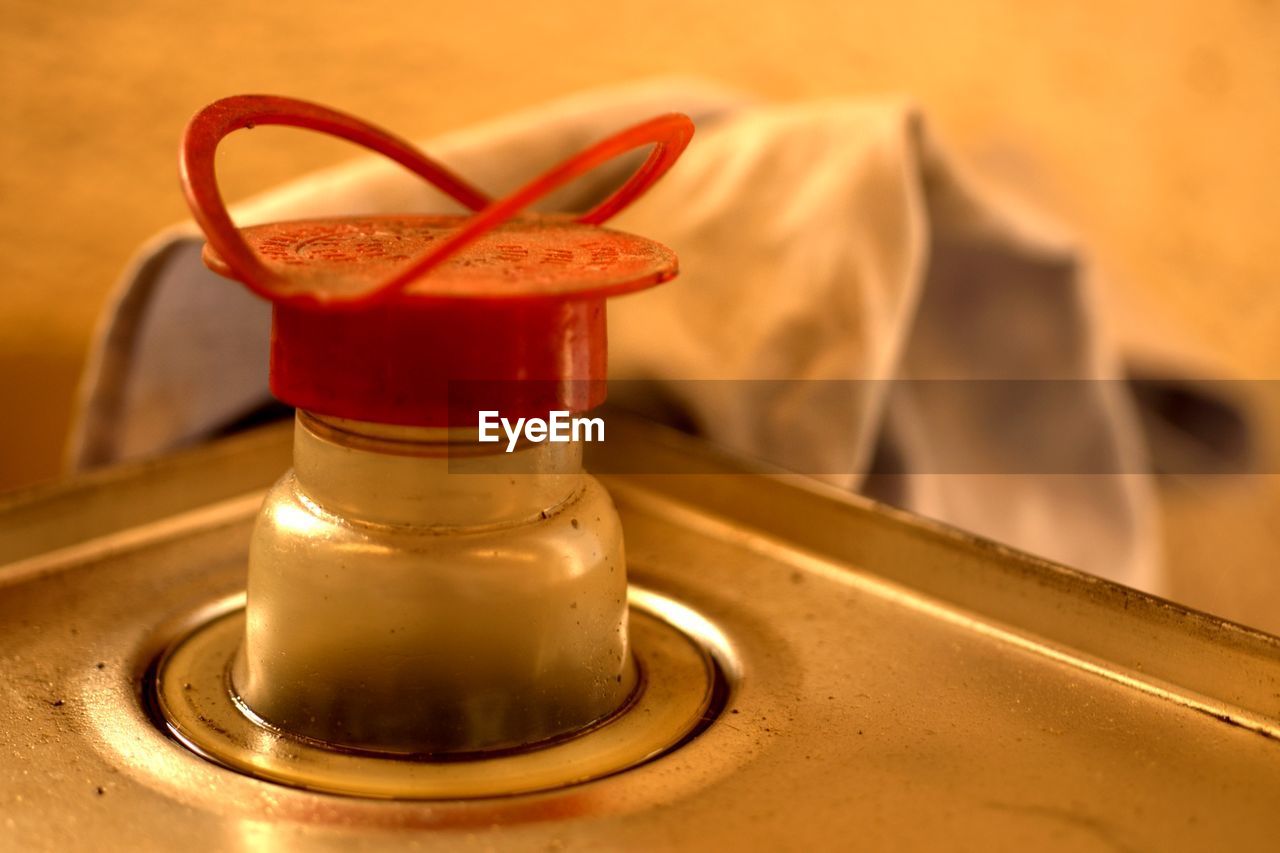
[426, 320]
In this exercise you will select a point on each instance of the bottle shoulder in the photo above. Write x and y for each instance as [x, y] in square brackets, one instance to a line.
[586, 520]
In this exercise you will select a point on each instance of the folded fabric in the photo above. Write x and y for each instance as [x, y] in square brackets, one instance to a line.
[824, 245]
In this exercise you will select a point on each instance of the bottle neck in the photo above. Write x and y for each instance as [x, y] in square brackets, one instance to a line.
[440, 478]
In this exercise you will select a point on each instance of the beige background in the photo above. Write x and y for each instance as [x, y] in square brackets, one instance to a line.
[1150, 127]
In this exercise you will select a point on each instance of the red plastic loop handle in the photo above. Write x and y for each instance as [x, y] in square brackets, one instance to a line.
[669, 134]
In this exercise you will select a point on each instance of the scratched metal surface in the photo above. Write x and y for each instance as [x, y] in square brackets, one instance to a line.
[904, 687]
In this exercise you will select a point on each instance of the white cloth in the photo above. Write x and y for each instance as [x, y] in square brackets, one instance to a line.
[827, 241]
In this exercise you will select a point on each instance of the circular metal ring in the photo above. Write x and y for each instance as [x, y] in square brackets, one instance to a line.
[686, 681]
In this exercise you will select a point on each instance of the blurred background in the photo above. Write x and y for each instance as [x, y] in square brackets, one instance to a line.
[1150, 128]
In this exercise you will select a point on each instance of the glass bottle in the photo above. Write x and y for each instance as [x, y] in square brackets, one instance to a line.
[413, 591]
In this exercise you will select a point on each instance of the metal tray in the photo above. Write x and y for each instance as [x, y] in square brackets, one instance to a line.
[903, 685]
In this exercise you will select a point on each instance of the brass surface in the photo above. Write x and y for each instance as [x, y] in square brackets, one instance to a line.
[901, 686]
